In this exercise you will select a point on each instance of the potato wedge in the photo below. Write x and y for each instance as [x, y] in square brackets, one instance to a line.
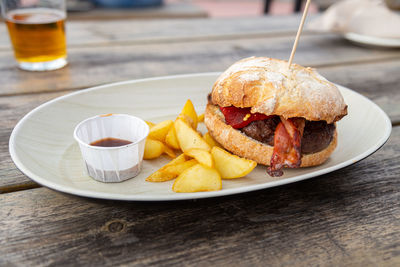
[171, 139]
[202, 156]
[160, 130]
[188, 110]
[196, 179]
[210, 140]
[169, 172]
[170, 152]
[231, 166]
[153, 149]
[179, 159]
[161, 176]
[149, 123]
[188, 138]
[186, 119]
[178, 168]
[200, 118]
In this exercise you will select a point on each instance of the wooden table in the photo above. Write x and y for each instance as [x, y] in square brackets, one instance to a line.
[165, 11]
[348, 217]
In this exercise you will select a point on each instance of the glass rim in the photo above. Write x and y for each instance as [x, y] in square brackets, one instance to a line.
[60, 5]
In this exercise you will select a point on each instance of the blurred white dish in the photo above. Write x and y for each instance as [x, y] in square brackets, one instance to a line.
[43, 148]
[372, 40]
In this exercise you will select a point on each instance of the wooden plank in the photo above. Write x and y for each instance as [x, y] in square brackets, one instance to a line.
[346, 218]
[179, 10]
[169, 11]
[90, 66]
[380, 86]
[137, 31]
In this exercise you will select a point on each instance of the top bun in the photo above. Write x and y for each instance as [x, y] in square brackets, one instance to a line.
[268, 86]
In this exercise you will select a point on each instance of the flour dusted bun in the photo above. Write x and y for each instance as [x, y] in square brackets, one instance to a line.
[244, 146]
[268, 86]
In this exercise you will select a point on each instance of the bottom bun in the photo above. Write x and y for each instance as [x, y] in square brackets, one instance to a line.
[246, 147]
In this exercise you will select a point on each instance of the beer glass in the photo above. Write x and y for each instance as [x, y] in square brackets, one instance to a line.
[37, 32]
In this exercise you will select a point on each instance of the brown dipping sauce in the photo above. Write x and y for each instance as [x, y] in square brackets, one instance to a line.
[110, 142]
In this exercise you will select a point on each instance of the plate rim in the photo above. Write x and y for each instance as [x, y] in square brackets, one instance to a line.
[372, 40]
[186, 196]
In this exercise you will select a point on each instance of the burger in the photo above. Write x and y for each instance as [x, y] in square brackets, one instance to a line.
[275, 114]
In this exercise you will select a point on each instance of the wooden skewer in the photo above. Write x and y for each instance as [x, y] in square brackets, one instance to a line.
[296, 41]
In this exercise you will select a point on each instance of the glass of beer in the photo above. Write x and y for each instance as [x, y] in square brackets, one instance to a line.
[37, 32]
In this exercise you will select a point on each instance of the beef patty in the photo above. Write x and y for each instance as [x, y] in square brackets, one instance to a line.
[316, 137]
[262, 131]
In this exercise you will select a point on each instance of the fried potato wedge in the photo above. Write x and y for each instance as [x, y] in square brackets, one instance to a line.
[171, 140]
[196, 179]
[150, 124]
[189, 111]
[200, 118]
[231, 166]
[179, 159]
[161, 176]
[186, 119]
[153, 149]
[179, 168]
[202, 156]
[160, 130]
[188, 138]
[210, 140]
[170, 152]
[170, 172]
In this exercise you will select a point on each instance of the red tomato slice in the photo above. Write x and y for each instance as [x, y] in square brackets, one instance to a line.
[235, 117]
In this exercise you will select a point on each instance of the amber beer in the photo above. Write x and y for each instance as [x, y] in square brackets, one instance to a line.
[37, 35]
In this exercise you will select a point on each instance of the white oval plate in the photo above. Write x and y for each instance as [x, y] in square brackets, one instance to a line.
[43, 148]
[372, 40]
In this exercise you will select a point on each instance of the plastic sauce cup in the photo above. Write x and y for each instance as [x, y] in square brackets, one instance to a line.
[112, 164]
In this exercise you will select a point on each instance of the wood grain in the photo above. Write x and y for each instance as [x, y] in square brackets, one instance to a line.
[346, 218]
[160, 31]
[90, 66]
[169, 11]
[82, 10]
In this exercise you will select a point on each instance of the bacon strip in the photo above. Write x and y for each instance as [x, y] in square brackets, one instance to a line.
[287, 146]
